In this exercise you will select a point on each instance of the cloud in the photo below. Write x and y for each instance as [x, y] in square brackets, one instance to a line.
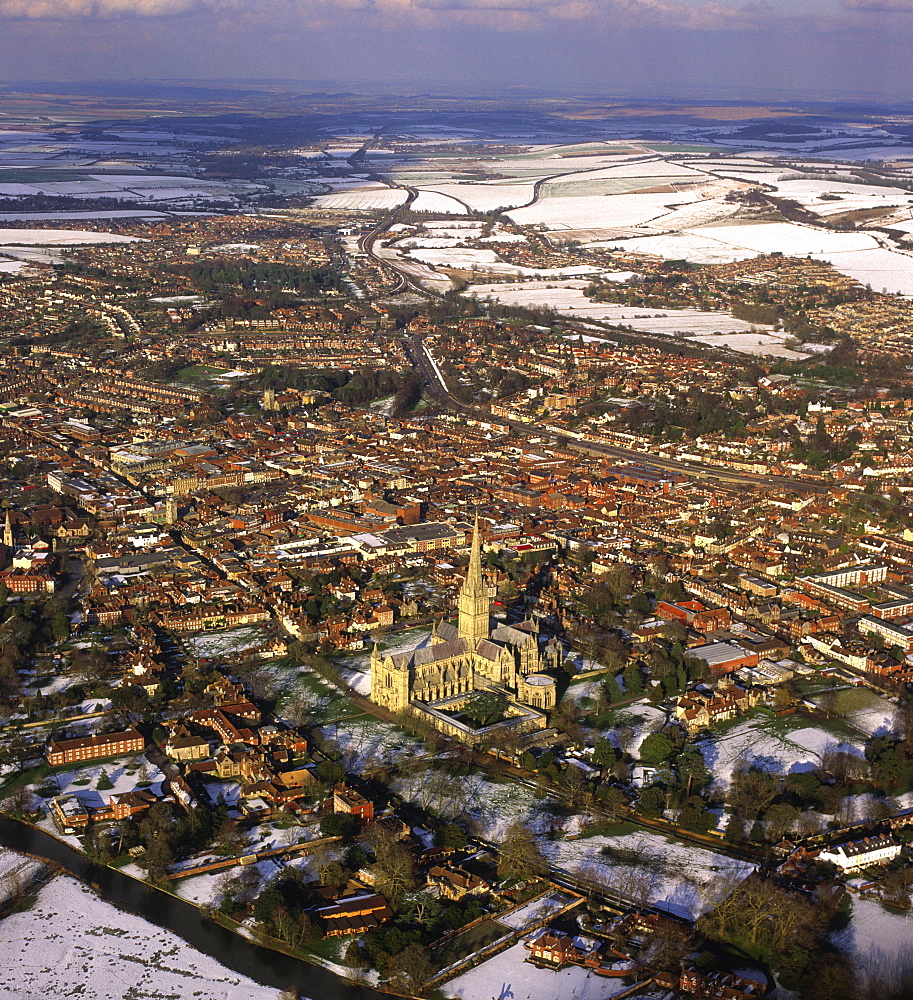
[678, 12]
[78, 9]
[504, 15]
[880, 6]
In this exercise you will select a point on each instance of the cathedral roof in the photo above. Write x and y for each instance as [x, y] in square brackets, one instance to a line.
[511, 634]
[430, 654]
[489, 650]
[447, 631]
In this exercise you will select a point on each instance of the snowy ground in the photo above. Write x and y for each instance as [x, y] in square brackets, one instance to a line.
[880, 943]
[567, 296]
[16, 870]
[784, 745]
[70, 943]
[485, 197]
[840, 195]
[208, 890]
[866, 711]
[367, 743]
[58, 237]
[123, 773]
[631, 725]
[435, 201]
[226, 641]
[684, 880]
[490, 807]
[509, 971]
[535, 910]
[600, 211]
[362, 199]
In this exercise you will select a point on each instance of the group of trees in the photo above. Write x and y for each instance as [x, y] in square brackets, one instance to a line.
[789, 930]
[217, 273]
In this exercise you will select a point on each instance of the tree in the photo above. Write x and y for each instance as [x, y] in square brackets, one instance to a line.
[452, 835]
[652, 802]
[394, 872]
[735, 831]
[157, 858]
[692, 769]
[634, 679]
[411, 969]
[751, 792]
[339, 825]
[614, 801]
[696, 817]
[656, 748]
[604, 753]
[781, 818]
[519, 856]
[60, 627]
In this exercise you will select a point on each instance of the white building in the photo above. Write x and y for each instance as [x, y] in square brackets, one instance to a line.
[859, 854]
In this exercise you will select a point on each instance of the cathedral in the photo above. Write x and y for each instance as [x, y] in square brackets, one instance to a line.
[475, 654]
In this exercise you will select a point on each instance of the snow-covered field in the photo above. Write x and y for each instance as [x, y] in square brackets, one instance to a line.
[226, 641]
[487, 197]
[879, 943]
[367, 743]
[866, 711]
[16, 870]
[568, 297]
[840, 196]
[631, 725]
[763, 344]
[508, 974]
[785, 745]
[71, 943]
[435, 201]
[789, 238]
[600, 211]
[684, 880]
[488, 260]
[58, 237]
[535, 910]
[124, 774]
[490, 806]
[880, 268]
[362, 199]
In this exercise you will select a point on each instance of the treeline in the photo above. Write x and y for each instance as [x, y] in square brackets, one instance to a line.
[351, 388]
[211, 276]
[60, 202]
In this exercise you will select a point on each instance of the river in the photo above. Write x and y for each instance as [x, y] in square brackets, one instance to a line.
[263, 965]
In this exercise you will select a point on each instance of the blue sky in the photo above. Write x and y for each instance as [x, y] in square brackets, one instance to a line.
[747, 48]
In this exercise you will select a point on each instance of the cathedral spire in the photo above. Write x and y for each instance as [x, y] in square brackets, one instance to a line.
[8, 530]
[473, 603]
[474, 579]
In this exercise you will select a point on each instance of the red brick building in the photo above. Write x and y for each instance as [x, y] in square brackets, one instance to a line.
[93, 747]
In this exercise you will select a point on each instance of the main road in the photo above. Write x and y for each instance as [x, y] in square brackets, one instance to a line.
[434, 382]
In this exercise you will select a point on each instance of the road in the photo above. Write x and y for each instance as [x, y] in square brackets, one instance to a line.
[437, 388]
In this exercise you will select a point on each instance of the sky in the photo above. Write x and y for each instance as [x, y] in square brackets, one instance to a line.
[819, 49]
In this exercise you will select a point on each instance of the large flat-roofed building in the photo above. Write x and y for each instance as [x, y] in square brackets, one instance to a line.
[724, 657]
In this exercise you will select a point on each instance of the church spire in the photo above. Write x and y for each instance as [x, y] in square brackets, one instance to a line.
[474, 579]
[473, 603]
[8, 531]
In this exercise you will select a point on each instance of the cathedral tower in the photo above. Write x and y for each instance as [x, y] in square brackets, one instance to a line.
[473, 602]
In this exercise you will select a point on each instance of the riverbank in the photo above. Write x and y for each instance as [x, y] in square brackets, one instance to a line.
[272, 969]
[105, 954]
